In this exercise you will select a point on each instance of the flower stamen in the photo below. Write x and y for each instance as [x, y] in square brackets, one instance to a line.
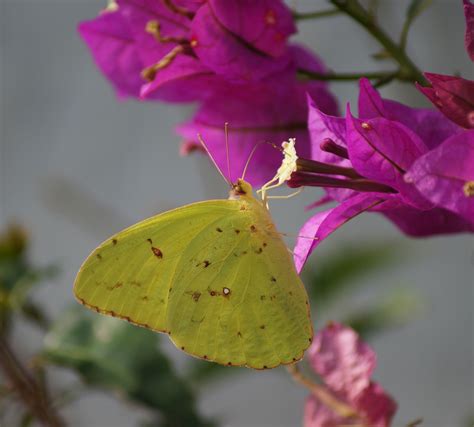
[153, 27]
[285, 171]
[469, 189]
[149, 73]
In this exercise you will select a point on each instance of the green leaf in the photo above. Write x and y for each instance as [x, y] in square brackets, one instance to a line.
[338, 272]
[415, 8]
[111, 354]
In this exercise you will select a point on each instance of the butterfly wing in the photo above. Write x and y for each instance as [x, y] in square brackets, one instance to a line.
[214, 275]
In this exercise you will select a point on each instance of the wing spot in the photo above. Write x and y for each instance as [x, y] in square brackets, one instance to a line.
[273, 279]
[196, 295]
[265, 367]
[136, 284]
[253, 229]
[244, 252]
[263, 297]
[239, 334]
[149, 241]
[206, 263]
[262, 326]
[229, 363]
[237, 231]
[116, 286]
[258, 251]
[294, 359]
[212, 293]
[219, 230]
[114, 241]
[205, 356]
[182, 348]
[99, 256]
[290, 293]
[145, 298]
[264, 245]
[157, 252]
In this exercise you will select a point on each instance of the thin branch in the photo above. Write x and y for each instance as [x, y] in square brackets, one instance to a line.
[371, 75]
[322, 394]
[316, 14]
[408, 70]
[28, 389]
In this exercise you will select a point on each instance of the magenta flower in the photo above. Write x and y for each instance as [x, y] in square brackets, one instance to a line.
[378, 163]
[445, 175]
[469, 39]
[453, 96]
[260, 113]
[185, 50]
[346, 364]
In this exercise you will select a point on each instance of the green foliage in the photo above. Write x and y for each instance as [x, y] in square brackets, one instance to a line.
[17, 278]
[112, 354]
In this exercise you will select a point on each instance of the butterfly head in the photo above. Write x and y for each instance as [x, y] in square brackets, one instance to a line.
[240, 189]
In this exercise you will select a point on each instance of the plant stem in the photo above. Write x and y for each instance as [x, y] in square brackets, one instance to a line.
[371, 75]
[29, 390]
[317, 14]
[408, 70]
[322, 394]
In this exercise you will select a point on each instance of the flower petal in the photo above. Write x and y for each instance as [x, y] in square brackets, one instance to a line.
[376, 406]
[343, 360]
[453, 96]
[316, 414]
[321, 225]
[264, 24]
[430, 125]
[138, 13]
[443, 175]
[185, 79]
[346, 364]
[256, 115]
[431, 222]
[114, 51]
[383, 150]
[227, 53]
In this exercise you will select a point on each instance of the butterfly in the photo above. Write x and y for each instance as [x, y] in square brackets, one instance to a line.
[216, 276]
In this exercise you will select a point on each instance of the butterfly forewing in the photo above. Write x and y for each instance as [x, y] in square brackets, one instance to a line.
[215, 275]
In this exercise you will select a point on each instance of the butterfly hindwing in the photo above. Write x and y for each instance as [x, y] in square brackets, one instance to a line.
[214, 275]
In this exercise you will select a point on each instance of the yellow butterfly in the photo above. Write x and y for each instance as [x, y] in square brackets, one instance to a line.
[215, 276]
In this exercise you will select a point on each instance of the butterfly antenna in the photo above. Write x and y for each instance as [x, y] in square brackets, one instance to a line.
[253, 152]
[212, 158]
[226, 133]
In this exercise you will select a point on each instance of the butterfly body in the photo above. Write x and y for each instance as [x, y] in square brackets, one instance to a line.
[214, 275]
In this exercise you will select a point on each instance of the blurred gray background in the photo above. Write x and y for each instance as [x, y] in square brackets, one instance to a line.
[78, 165]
